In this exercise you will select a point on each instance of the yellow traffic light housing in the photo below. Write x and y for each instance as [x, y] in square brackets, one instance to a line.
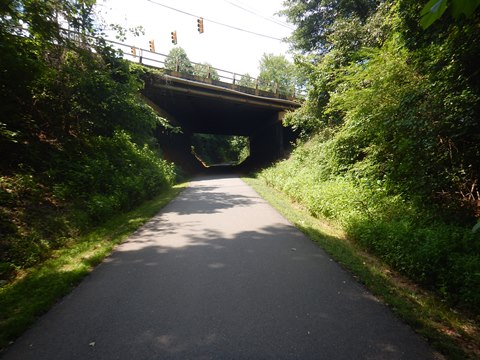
[200, 25]
[174, 37]
[134, 51]
[152, 45]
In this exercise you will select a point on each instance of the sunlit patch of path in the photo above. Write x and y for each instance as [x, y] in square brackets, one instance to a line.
[219, 274]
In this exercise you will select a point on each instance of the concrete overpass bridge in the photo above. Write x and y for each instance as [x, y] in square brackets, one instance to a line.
[202, 105]
[205, 105]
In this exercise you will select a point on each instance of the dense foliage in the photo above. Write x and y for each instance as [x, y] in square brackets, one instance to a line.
[247, 80]
[315, 19]
[393, 129]
[177, 60]
[76, 141]
[434, 9]
[205, 70]
[220, 149]
[277, 74]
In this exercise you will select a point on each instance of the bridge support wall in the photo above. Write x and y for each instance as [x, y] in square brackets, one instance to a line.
[177, 147]
[267, 145]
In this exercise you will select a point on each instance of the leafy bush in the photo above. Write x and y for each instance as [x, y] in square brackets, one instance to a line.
[109, 175]
[393, 156]
[77, 141]
[441, 256]
[218, 149]
[412, 239]
[115, 174]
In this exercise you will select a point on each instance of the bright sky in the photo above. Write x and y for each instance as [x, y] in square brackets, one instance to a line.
[222, 47]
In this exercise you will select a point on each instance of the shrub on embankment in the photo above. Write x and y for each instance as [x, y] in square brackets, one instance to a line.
[415, 241]
[76, 141]
[393, 150]
[42, 211]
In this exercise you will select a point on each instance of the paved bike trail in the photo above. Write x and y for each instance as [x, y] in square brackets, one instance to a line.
[219, 274]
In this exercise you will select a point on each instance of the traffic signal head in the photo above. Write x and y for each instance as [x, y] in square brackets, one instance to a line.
[174, 37]
[152, 45]
[134, 51]
[200, 25]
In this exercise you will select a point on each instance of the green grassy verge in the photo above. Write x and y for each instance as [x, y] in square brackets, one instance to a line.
[38, 288]
[450, 332]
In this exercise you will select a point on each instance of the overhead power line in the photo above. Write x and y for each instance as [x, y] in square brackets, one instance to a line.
[215, 22]
[273, 20]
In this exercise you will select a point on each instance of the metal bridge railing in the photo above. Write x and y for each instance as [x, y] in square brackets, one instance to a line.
[158, 60]
[225, 78]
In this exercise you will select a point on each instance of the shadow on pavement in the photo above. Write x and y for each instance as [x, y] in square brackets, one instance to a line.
[248, 296]
[189, 285]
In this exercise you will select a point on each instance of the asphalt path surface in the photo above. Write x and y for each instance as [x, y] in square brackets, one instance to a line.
[219, 274]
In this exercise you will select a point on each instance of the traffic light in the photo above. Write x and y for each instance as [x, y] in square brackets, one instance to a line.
[200, 25]
[174, 37]
[134, 51]
[152, 45]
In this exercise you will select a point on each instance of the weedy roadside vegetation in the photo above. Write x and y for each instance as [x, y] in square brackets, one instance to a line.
[456, 334]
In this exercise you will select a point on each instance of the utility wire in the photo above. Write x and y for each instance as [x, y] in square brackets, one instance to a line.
[215, 22]
[273, 20]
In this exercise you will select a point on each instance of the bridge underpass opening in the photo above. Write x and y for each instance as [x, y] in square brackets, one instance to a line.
[220, 150]
[199, 108]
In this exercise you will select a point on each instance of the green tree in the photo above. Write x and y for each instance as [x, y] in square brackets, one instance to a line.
[177, 60]
[349, 39]
[240, 148]
[346, 90]
[314, 20]
[220, 149]
[276, 74]
[247, 81]
[393, 110]
[434, 9]
[75, 132]
[205, 70]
